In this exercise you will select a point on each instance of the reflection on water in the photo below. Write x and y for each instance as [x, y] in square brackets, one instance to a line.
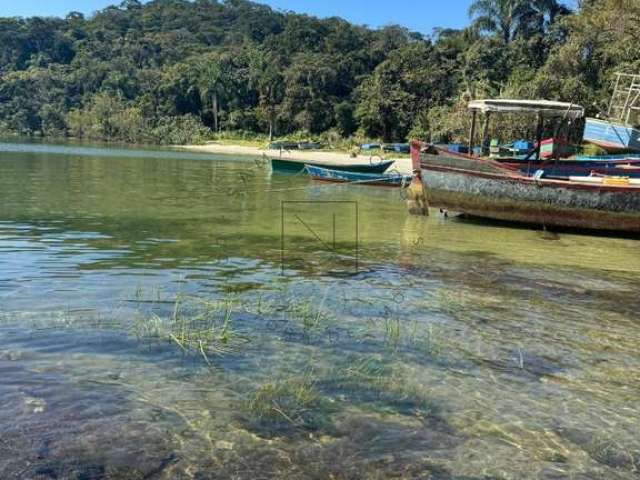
[155, 323]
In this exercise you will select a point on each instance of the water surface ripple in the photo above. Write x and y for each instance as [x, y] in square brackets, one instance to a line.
[167, 315]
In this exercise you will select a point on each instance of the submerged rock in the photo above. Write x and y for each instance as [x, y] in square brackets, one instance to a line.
[35, 405]
[224, 445]
[11, 355]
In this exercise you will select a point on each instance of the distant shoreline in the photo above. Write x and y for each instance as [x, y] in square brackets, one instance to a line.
[402, 165]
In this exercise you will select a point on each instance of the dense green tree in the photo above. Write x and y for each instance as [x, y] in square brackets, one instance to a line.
[212, 80]
[602, 40]
[537, 16]
[265, 76]
[410, 81]
[344, 118]
[179, 70]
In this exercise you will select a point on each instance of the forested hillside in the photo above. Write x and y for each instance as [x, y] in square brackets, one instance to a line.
[176, 71]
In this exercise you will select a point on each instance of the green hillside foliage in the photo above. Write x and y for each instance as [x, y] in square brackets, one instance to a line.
[178, 71]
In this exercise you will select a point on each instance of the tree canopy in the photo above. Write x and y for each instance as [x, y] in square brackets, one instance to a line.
[171, 71]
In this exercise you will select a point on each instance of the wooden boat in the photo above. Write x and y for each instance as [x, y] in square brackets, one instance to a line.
[296, 166]
[575, 167]
[485, 188]
[330, 175]
[283, 145]
[396, 147]
[611, 136]
[309, 146]
[370, 146]
[627, 165]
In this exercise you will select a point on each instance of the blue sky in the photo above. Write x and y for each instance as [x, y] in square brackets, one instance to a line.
[419, 15]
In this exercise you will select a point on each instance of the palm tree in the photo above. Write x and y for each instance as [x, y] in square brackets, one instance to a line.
[210, 84]
[538, 15]
[265, 78]
[511, 18]
[500, 16]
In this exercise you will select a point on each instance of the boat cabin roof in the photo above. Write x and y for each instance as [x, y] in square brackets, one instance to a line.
[545, 108]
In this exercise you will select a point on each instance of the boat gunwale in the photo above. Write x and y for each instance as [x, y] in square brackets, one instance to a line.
[380, 180]
[513, 163]
[333, 163]
[379, 183]
[514, 177]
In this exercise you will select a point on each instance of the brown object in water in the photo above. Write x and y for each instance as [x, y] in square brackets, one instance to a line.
[416, 196]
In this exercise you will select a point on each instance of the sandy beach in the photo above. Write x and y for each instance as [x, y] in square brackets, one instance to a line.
[402, 165]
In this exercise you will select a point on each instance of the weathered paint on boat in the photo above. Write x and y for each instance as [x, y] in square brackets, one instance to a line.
[296, 166]
[555, 148]
[629, 168]
[625, 165]
[611, 136]
[329, 175]
[486, 189]
[623, 157]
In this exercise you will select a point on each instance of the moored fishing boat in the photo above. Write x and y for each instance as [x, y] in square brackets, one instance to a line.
[575, 167]
[618, 130]
[627, 165]
[331, 175]
[611, 136]
[396, 147]
[545, 154]
[487, 189]
[296, 166]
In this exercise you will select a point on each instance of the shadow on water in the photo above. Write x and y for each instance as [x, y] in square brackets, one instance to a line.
[58, 429]
[544, 232]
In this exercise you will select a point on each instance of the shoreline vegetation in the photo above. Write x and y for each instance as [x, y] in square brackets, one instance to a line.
[174, 72]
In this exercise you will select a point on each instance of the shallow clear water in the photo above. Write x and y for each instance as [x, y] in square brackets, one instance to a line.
[169, 315]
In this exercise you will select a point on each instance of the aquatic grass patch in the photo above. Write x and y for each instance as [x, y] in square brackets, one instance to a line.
[392, 331]
[605, 448]
[399, 331]
[608, 451]
[295, 317]
[369, 369]
[204, 326]
[516, 440]
[197, 326]
[208, 326]
[313, 320]
[307, 314]
[286, 406]
[374, 380]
